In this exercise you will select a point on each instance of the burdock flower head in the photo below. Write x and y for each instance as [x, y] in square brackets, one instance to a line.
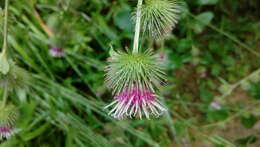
[159, 17]
[8, 118]
[133, 78]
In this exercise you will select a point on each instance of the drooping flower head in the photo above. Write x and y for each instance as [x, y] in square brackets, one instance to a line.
[159, 17]
[8, 118]
[133, 78]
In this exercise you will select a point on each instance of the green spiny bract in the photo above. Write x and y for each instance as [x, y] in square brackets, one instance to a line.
[128, 70]
[8, 114]
[159, 17]
[16, 79]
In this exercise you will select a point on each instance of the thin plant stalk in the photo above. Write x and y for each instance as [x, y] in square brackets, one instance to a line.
[5, 96]
[235, 85]
[137, 26]
[5, 44]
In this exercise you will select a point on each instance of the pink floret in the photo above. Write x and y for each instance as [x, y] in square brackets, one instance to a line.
[135, 102]
[137, 96]
[5, 129]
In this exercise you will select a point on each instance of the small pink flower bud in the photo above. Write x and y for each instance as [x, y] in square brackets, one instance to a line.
[57, 52]
[215, 105]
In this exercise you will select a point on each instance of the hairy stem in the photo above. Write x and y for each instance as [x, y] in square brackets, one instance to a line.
[137, 26]
[5, 27]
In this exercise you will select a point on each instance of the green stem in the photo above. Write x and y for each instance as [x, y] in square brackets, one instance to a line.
[5, 27]
[5, 46]
[5, 95]
[234, 86]
[137, 26]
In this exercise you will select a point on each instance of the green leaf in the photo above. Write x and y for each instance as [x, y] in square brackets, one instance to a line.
[216, 69]
[206, 95]
[181, 128]
[112, 51]
[229, 61]
[123, 20]
[225, 89]
[4, 64]
[255, 91]
[247, 140]
[249, 121]
[203, 19]
[255, 78]
[217, 114]
[245, 85]
[37, 132]
[184, 45]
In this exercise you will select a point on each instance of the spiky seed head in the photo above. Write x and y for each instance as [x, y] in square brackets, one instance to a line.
[159, 17]
[8, 117]
[16, 79]
[129, 70]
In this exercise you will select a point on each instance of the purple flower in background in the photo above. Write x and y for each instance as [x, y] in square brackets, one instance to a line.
[215, 105]
[162, 56]
[57, 52]
[134, 102]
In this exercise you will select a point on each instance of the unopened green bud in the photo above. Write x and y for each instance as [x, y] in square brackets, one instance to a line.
[4, 64]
